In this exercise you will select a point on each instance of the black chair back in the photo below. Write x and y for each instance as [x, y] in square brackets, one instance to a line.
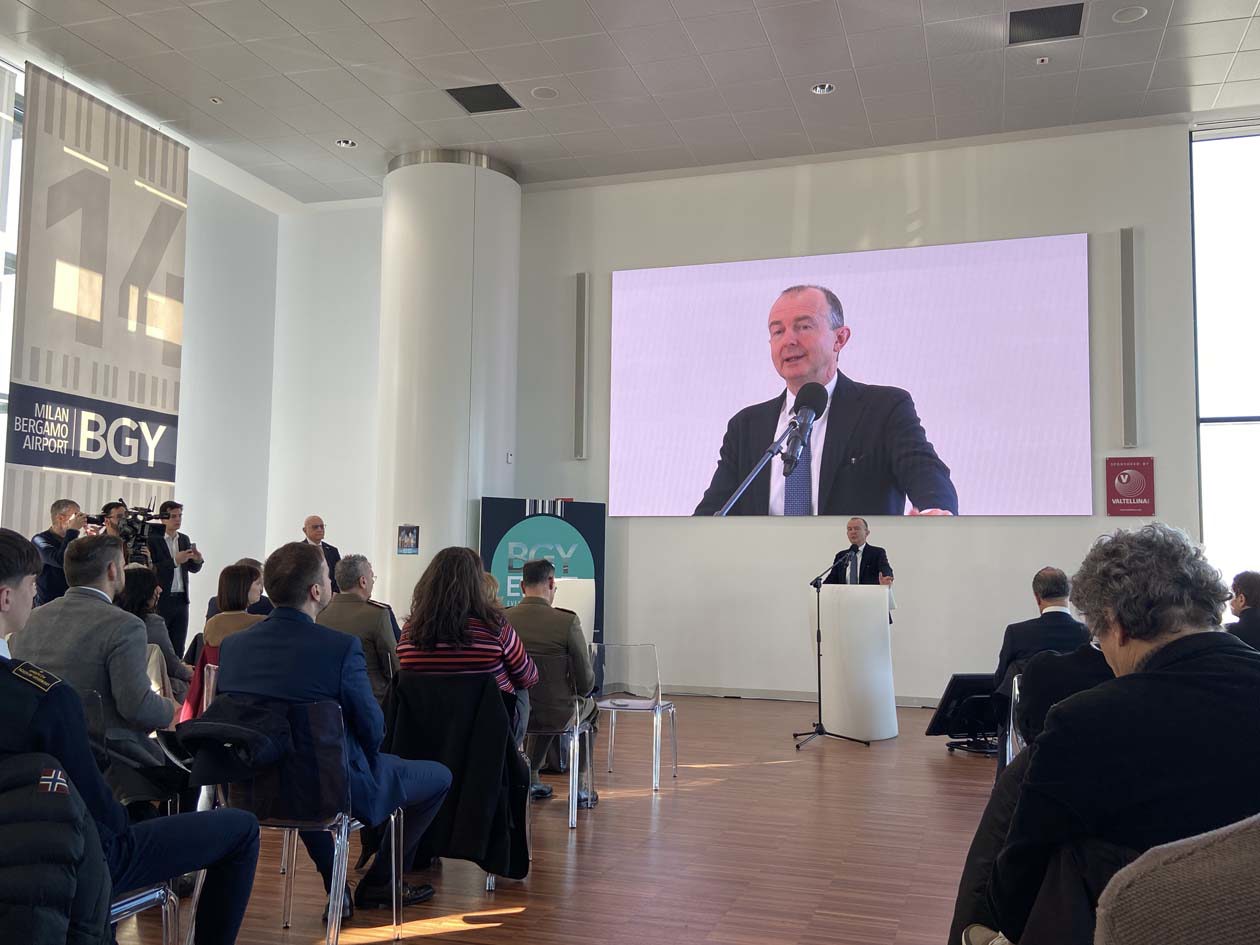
[310, 786]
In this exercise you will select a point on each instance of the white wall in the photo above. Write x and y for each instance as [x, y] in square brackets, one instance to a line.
[727, 601]
[323, 454]
[226, 383]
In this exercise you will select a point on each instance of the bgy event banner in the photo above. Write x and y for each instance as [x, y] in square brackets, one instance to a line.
[99, 312]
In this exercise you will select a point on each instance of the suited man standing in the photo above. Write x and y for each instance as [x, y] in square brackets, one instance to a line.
[860, 563]
[313, 529]
[174, 557]
[1245, 605]
[67, 520]
[867, 451]
[1054, 629]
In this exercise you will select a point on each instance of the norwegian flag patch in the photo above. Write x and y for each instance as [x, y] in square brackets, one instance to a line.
[53, 781]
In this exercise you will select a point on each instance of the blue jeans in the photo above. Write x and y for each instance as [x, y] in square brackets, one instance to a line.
[223, 842]
[425, 787]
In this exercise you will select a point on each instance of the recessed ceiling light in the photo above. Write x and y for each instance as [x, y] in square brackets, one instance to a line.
[823, 88]
[215, 100]
[346, 143]
[544, 92]
[1129, 14]
[1043, 60]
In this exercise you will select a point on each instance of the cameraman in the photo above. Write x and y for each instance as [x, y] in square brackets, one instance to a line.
[174, 558]
[67, 522]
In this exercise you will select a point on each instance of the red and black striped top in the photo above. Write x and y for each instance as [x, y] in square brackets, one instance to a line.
[490, 650]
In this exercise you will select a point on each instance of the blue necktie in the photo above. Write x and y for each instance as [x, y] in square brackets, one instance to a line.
[796, 489]
[853, 567]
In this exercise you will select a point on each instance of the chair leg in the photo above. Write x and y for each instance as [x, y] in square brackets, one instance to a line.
[588, 737]
[673, 737]
[396, 867]
[192, 904]
[656, 749]
[288, 841]
[284, 855]
[612, 735]
[170, 918]
[489, 882]
[573, 780]
[529, 829]
[341, 865]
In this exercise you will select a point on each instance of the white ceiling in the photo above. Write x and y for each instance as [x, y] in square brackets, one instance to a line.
[641, 85]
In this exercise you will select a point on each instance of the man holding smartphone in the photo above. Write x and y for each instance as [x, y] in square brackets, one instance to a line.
[174, 558]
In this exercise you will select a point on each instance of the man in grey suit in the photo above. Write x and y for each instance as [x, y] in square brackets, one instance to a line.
[94, 645]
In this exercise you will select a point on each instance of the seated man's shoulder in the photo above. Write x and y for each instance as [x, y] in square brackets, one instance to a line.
[20, 674]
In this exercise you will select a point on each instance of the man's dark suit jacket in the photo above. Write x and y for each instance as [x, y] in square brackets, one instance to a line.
[164, 564]
[51, 582]
[1049, 678]
[332, 556]
[1053, 631]
[1247, 628]
[874, 563]
[875, 455]
[1110, 764]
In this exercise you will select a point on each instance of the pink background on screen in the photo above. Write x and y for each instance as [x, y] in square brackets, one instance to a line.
[991, 340]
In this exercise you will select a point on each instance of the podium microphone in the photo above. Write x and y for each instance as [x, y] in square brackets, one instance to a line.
[811, 401]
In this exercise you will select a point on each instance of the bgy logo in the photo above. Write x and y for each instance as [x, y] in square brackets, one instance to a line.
[1130, 483]
[98, 436]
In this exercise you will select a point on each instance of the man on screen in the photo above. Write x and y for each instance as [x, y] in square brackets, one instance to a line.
[867, 451]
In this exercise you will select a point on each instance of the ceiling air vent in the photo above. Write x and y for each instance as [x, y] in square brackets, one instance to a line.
[1037, 26]
[483, 98]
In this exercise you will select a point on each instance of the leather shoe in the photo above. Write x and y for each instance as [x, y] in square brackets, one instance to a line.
[540, 791]
[587, 799]
[347, 906]
[980, 935]
[381, 897]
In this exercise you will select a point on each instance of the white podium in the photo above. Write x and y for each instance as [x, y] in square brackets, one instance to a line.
[578, 595]
[857, 678]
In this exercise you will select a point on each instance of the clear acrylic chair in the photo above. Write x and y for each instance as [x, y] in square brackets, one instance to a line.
[632, 683]
[1014, 739]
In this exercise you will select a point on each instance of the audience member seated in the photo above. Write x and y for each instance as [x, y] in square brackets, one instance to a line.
[1245, 605]
[140, 595]
[1108, 777]
[553, 631]
[456, 626]
[354, 612]
[262, 606]
[39, 712]
[86, 640]
[240, 586]
[1049, 678]
[1053, 629]
[67, 521]
[289, 657]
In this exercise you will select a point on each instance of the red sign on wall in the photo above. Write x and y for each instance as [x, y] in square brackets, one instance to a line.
[1131, 485]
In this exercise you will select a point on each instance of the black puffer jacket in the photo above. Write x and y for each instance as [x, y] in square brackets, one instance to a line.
[54, 882]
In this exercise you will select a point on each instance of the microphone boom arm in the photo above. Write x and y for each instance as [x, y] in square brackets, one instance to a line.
[773, 450]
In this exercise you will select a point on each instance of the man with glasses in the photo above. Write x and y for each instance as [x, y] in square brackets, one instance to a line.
[313, 529]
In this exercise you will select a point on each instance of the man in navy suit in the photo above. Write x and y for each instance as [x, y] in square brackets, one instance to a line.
[290, 657]
[860, 563]
[1055, 629]
[867, 451]
[313, 529]
[174, 557]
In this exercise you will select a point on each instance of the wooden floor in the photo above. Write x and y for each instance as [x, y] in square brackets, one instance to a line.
[754, 843]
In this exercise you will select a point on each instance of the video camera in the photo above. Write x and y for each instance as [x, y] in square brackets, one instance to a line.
[134, 530]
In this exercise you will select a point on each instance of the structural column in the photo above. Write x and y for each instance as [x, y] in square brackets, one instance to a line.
[450, 272]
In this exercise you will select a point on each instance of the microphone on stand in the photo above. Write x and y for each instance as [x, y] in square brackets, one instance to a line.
[839, 562]
[811, 401]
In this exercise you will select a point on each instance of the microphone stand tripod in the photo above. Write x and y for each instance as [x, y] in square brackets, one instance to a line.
[804, 738]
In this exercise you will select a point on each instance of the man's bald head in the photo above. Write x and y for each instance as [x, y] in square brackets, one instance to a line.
[313, 529]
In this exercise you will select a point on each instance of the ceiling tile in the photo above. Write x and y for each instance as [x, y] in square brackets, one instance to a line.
[401, 137]
[862, 16]
[355, 189]
[1200, 70]
[727, 31]
[311, 15]
[1172, 101]
[173, 72]
[1203, 39]
[936, 10]
[523, 150]
[309, 119]
[953, 37]
[353, 45]
[62, 46]
[899, 107]
[1109, 108]
[1064, 56]
[426, 106]
[585, 53]
[730, 153]
[969, 124]
[803, 22]
[557, 169]
[895, 79]
[389, 78]
[1252, 39]
[765, 147]
[1121, 49]
[604, 84]
[116, 77]
[382, 11]
[842, 139]
[620, 14]
[120, 38]
[1099, 13]
[982, 65]
[505, 125]
[454, 70]
[901, 44]
[181, 28]
[630, 111]
[710, 130]
[67, 12]
[1041, 90]
[418, 36]
[454, 131]
[698, 104]
[742, 65]
[1235, 94]
[290, 53]
[332, 86]
[839, 112]
[523, 92]
[1246, 67]
[512, 63]
[556, 19]
[1019, 118]
[162, 106]
[272, 92]
[16, 18]
[245, 19]
[481, 29]
[658, 135]
[371, 159]
[229, 61]
[770, 121]
[674, 75]
[637, 162]
[907, 131]
[650, 43]
[1113, 81]
[692, 8]
[1203, 11]
[588, 143]
[443, 7]
[132, 7]
[242, 153]
[822, 55]
[288, 178]
[252, 120]
[570, 118]
[757, 96]
[958, 98]
[843, 81]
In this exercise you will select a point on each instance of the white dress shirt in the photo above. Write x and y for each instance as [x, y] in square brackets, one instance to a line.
[172, 545]
[817, 437]
[847, 565]
[4, 648]
[1057, 610]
